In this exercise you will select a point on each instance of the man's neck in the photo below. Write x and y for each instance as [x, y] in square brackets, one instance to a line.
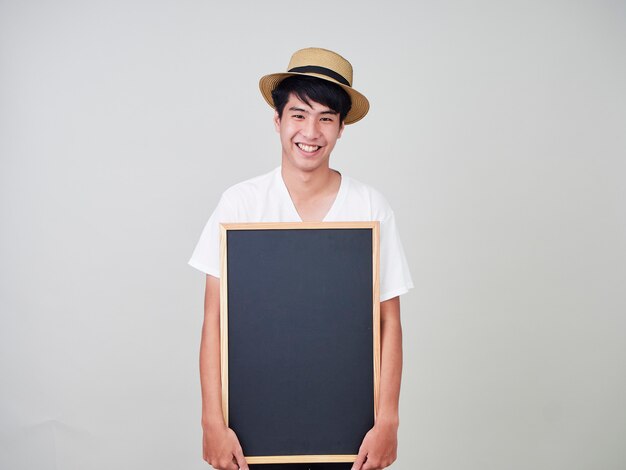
[305, 184]
[312, 192]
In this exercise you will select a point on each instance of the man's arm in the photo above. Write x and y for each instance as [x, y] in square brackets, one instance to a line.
[379, 446]
[220, 446]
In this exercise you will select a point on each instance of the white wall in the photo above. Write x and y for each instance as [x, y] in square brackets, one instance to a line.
[496, 132]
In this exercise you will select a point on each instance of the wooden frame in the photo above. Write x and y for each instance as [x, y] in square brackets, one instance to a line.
[224, 308]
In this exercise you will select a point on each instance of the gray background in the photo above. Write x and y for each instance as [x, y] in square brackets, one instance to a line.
[496, 132]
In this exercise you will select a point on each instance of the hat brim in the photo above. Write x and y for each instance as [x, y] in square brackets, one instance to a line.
[360, 104]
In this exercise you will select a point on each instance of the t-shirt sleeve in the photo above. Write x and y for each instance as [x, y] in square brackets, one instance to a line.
[206, 255]
[395, 277]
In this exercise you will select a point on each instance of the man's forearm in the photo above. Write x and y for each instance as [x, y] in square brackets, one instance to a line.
[210, 367]
[390, 361]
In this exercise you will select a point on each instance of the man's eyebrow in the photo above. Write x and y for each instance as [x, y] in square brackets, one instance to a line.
[302, 110]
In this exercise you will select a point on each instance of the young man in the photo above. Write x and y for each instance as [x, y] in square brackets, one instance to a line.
[313, 102]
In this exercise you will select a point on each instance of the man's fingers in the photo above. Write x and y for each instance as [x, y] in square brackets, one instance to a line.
[241, 460]
[358, 463]
[232, 465]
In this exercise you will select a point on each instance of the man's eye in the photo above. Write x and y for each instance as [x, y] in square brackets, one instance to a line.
[327, 119]
[298, 116]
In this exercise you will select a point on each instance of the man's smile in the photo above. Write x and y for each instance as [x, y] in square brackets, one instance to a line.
[308, 148]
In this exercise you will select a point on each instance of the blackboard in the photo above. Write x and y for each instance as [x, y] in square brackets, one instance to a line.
[300, 338]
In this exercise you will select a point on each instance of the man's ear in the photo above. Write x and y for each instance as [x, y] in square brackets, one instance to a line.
[276, 121]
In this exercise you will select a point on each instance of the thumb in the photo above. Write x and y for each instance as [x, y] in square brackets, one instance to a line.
[358, 463]
[241, 460]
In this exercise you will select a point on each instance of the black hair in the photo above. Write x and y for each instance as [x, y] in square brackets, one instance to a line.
[315, 89]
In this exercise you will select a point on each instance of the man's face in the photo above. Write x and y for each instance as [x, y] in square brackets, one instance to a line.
[307, 133]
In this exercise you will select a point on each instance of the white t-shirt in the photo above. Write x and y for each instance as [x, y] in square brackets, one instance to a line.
[266, 199]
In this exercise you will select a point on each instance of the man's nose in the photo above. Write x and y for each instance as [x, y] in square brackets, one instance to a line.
[311, 128]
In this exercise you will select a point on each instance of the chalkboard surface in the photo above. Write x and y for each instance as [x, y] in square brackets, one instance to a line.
[299, 335]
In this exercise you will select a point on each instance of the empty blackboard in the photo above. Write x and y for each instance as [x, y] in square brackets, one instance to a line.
[300, 338]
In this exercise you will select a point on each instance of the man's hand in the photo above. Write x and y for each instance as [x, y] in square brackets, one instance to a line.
[378, 449]
[221, 448]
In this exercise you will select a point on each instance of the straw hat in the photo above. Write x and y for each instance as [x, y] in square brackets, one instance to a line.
[324, 64]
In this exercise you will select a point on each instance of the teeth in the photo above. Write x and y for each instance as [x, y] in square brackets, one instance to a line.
[308, 148]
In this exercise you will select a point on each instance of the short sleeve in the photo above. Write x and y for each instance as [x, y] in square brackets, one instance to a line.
[395, 277]
[206, 255]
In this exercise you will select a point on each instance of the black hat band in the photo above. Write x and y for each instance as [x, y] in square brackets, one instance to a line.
[321, 71]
